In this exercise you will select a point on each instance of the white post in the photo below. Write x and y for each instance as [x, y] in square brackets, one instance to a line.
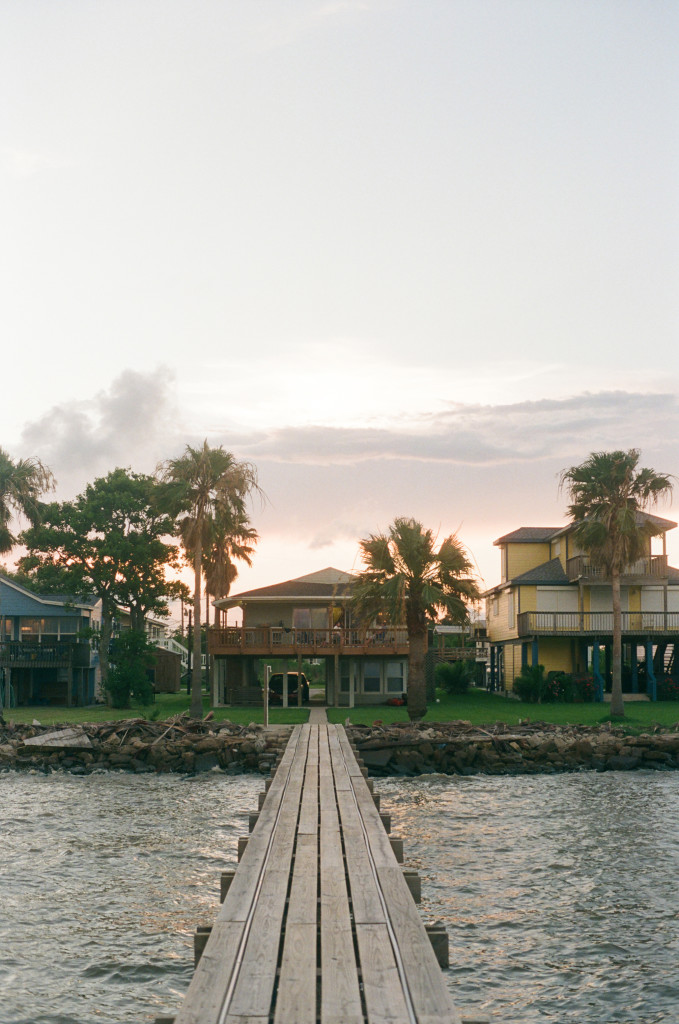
[285, 686]
[267, 677]
[352, 682]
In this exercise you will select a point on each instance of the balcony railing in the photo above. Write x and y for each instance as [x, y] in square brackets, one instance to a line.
[580, 567]
[27, 654]
[270, 639]
[595, 623]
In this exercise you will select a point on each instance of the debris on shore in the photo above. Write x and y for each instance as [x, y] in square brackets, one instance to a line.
[180, 744]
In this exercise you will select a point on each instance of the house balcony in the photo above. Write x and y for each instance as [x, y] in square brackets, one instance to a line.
[57, 654]
[653, 568]
[279, 642]
[640, 624]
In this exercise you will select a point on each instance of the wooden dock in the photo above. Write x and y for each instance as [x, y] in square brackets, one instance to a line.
[319, 925]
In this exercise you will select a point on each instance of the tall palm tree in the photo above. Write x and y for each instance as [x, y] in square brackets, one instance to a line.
[609, 496]
[229, 539]
[212, 486]
[21, 484]
[410, 581]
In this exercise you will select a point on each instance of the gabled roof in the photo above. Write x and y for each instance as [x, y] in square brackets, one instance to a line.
[326, 585]
[548, 573]
[529, 535]
[56, 600]
[641, 517]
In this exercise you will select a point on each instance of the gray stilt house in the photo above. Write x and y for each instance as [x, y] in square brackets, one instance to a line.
[43, 661]
[307, 618]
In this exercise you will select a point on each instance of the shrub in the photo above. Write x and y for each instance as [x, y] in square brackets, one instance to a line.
[559, 688]
[584, 687]
[131, 657]
[453, 676]
[530, 684]
[667, 688]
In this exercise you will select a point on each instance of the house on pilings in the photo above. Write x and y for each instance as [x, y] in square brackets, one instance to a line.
[307, 618]
[553, 607]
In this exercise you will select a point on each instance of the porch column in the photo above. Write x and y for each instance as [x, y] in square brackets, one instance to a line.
[651, 688]
[635, 668]
[598, 681]
[352, 681]
[299, 680]
[336, 681]
[493, 657]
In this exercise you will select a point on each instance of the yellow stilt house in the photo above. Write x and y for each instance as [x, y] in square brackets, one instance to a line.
[553, 607]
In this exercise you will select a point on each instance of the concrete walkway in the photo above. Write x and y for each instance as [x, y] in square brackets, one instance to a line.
[317, 716]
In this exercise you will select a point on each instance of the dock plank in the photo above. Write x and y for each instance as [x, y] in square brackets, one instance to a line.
[318, 925]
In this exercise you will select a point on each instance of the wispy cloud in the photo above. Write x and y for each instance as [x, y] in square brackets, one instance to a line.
[483, 435]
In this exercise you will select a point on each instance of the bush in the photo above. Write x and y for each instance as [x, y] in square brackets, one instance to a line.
[131, 658]
[453, 676]
[584, 687]
[529, 686]
[559, 688]
[667, 688]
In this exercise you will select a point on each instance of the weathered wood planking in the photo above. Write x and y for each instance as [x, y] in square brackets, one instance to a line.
[318, 925]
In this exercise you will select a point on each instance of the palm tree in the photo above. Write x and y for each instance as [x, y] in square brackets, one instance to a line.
[609, 498]
[212, 487]
[21, 484]
[229, 539]
[408, 580]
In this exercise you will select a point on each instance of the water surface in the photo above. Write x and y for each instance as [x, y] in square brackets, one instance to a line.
[559, 892]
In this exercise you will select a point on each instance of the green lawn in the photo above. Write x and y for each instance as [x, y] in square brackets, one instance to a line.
[482, 708]
[166, 705]
[477, 707]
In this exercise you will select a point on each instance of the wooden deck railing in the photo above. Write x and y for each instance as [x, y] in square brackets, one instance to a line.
[595, 623]
[60, 653]
[580, 566]
[328, 641]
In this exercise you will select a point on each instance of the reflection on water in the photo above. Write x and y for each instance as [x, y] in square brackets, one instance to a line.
[559, 891]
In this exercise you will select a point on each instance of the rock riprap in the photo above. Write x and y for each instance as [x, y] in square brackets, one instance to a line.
[460, 748]
[180, 744]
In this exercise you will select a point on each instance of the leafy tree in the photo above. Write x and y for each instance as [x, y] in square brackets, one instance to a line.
[407, 579]
[110, 542]
[131, 656]
[609, 498]
[22, 482]
[211, 489]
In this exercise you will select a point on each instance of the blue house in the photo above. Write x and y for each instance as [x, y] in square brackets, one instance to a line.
[43, 660]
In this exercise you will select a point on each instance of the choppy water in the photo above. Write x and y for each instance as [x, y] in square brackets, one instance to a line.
[560, 892]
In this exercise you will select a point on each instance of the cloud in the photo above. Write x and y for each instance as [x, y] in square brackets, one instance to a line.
[482, 435]
[131, 423]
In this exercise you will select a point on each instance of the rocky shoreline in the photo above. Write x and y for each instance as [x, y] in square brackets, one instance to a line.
[460, 748]
[136, 745]
[189, 746]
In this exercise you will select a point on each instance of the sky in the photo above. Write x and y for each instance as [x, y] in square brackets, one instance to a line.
[408, 257]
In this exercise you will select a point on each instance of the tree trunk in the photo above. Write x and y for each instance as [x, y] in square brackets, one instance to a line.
[417, 684]
[104, 644]
[617, 705]
[197, 668]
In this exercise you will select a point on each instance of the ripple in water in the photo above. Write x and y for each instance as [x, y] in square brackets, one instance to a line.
[559, 892]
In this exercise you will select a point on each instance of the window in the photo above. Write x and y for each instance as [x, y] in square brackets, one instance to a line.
[510, 610]
[395, 677]
[371, 677]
